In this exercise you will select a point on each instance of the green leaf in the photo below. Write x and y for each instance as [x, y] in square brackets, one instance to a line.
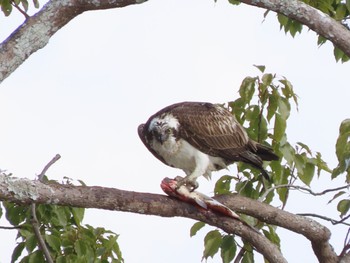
[343, 149]
[36, 3]
[344, 126]
[272, 105]
[234, 2]
[246, 188]
[283, 20]
[340, 12]
[17, 251]
[248, 257]
[31, 243]
[340, 55]
[299, 162]
[247, 89]
[267, 79]
[109, 242]
[78, 214]
[280, 127]
[80, 247]
[284, 108]
[25, 5]
[36, 257]
[54, 242]
[16, 214]
[118, 252]
[196, 227]
[228, 248]
[223, 185]
[212, 243]
[321, 164]
[272, 235]
[295, 27]
[321, 40]
[336, 196]
[343, 207]
[260, 67]
[61, 259]
[304, 146]
[59, 217]
[6, 7]
[347, 3]
[308, 173]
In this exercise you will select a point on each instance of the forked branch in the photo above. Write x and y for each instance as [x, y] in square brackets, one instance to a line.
[11, 189]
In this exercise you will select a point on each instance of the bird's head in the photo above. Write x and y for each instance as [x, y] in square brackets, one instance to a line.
[163, 128]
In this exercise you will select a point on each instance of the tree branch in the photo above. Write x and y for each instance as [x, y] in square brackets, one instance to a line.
[316, 20]
[301, 188]
[333, 221]
[318, 234]
[36, 31]
[25, 191]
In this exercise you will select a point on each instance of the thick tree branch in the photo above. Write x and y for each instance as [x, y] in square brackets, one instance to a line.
[25, 191]
[318, 234]
[317, 21]
[36, 31]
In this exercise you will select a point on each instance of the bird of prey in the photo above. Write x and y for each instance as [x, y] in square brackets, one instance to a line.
[200, 137]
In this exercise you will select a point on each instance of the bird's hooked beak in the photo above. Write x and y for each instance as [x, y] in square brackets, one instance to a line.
[160, 136]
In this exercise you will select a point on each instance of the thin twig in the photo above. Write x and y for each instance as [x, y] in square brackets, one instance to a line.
[333, 221]
[240, 255]
[34, 221]
[346, 245]
[36, 229]
[20, 10]
[347, 240]
[10, 227]
[43, 172]
[297, 187]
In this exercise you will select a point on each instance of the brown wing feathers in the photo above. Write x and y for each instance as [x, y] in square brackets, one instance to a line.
[211, 129]
[214, 131]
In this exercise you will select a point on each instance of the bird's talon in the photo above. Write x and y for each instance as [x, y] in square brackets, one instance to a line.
[190, 185]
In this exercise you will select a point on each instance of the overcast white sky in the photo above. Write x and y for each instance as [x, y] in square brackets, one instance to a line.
[85, 93]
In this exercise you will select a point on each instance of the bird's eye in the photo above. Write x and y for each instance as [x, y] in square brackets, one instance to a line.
[168, 131]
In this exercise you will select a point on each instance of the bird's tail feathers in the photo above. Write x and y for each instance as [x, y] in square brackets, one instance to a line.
[256, 161]
[266, 153]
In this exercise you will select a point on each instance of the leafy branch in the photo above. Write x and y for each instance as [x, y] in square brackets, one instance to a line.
[120, 200]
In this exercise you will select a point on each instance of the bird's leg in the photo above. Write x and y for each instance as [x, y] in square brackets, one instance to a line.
[190, 180]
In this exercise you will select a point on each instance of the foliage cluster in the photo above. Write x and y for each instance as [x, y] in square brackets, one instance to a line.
[263, 108]
[67, 239]
[336, 9]
[21, 5]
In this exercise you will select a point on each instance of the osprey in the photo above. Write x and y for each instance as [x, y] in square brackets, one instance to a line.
[200, 137]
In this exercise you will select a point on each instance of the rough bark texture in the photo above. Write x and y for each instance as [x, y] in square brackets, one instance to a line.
[36, 31]
[317, 21]
[25, 191]
[318, 234]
